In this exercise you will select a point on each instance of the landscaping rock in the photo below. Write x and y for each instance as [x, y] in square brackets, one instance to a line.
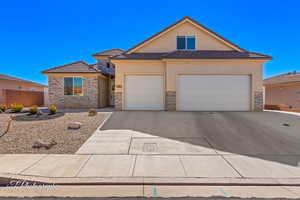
[286, 124]
[92, 112]
[39, 112]
[41, 144]
[74, 125]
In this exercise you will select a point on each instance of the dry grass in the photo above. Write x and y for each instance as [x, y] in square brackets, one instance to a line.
[25, 130]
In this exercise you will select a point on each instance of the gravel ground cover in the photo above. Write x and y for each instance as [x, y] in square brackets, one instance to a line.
[25, 130]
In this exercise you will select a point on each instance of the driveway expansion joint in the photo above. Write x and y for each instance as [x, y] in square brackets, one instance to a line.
[129, 146]
[185, 172]
[30, 166]
[83, 165]
[222, 156]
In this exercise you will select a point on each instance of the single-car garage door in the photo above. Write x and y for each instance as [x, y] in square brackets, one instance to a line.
[213, 93]
[144, 93]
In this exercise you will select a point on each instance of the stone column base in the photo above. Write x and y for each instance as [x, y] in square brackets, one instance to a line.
[171, 101]
[118, 101]
[258, 101]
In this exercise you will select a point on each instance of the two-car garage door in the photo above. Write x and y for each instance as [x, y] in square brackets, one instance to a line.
[213, 93]
[194, 93]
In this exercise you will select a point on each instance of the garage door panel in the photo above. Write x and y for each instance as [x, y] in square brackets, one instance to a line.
[213, 93]
[144, 93]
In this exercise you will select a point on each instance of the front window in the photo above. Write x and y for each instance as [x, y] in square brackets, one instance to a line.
[186, 42]
[73, 86]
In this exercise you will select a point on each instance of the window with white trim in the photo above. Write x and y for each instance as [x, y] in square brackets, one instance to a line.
[73, 86]
[186, 42]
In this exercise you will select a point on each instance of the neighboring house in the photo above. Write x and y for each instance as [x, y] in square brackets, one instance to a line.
[187, 67]
[283, 92]
[82, 85]
[15, 90]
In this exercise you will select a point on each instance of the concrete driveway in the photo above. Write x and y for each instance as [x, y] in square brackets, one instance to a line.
[253, 133]
[202, 144]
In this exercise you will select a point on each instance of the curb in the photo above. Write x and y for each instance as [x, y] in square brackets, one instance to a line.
[5, 180]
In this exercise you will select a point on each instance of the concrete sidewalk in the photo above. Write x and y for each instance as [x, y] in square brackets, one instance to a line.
[230, 169]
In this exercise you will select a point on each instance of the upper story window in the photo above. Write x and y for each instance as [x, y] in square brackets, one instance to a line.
[73, 86]
[186, 42]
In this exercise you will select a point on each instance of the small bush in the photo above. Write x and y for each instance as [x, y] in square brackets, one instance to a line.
[3, 107]
[52, 109]
[16, 107]
[33, 110]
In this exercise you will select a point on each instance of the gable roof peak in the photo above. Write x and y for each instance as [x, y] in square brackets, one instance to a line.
[74, 67]
[194, 22]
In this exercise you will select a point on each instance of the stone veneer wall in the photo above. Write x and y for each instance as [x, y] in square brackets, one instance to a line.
[103, 92]
[258, 101]
[170, 100]
[90, 98]
[118, 100]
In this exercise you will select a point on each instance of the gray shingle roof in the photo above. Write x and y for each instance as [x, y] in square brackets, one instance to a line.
[213, 54]
[200, 54]
[11, 78]
[110, 52]
[156, 56]
[290, 77]
[75, 67]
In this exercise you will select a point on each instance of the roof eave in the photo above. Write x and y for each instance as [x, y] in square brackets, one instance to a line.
[71, 73]
[281, 83]
[262, 59]
[136, 59]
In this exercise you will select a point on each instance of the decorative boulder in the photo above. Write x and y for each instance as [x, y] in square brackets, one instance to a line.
[92, 112]
[39, 112]
[286, 124]
[41, 144]
[74, 125]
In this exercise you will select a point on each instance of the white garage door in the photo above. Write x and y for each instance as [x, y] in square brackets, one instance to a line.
[144, 93]
[213, 93]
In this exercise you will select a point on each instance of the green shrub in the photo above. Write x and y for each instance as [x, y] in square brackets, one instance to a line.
[52, 109]
[16, 107]
[3, 107]
[33, 109]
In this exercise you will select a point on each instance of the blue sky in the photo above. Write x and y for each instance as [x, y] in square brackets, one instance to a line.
[39, 34]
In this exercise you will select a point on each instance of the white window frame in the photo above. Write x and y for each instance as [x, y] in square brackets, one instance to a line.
[82, 80]
[185, 37]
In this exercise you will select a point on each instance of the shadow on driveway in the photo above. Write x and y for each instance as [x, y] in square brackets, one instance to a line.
[257, 134]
